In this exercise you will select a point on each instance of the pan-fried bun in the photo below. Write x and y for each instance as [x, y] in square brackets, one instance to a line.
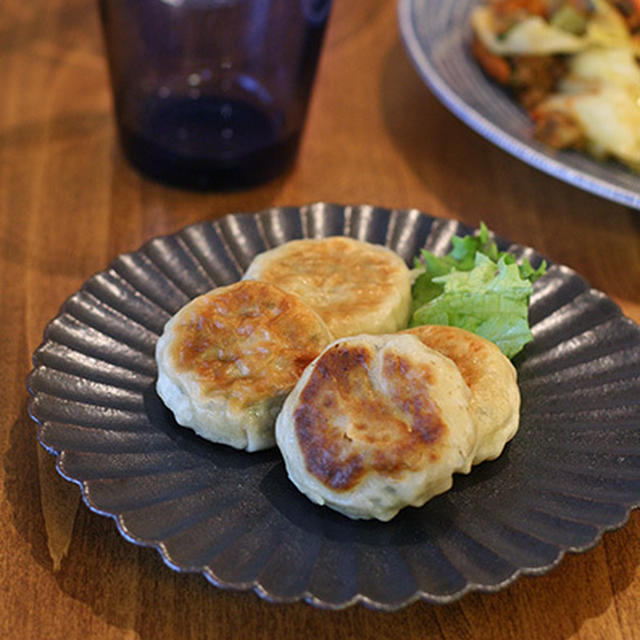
[355, 287]
[376, 423]
[495, 397]
[227, 360]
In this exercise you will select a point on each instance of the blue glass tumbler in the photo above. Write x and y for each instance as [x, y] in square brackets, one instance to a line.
[212, 94]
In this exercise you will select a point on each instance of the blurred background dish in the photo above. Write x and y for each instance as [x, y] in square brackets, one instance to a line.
[437, 35]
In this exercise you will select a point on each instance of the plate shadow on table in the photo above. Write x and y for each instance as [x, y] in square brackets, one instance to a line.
[22, 486]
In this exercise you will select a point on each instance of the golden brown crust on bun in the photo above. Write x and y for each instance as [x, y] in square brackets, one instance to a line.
[227, 359]
[355, 287]
[492, 379]
[376, 423]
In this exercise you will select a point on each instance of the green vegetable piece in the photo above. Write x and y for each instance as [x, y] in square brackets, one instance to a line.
[569, 19]
[478, 288]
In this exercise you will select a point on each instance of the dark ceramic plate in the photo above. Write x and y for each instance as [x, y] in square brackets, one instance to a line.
[437, 36]
[571, 473]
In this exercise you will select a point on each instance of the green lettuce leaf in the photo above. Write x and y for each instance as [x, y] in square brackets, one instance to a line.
[477, 288]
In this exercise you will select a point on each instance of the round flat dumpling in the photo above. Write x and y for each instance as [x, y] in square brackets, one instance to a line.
[376, 423]
[227, 360]
[354, 286]
[495, 397]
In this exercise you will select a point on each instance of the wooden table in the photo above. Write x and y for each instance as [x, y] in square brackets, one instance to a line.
[69, 203]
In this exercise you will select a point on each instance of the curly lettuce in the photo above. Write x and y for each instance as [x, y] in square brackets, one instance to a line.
[478, 288]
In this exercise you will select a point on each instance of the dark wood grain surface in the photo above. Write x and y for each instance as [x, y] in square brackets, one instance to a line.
[69, 204]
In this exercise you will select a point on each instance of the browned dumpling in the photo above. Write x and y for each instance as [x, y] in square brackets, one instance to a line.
[492, 379]
[227, 360]
[376, 423]
[355, 287]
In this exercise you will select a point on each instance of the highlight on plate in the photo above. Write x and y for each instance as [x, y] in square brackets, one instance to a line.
[327, 349]
[573, 65]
